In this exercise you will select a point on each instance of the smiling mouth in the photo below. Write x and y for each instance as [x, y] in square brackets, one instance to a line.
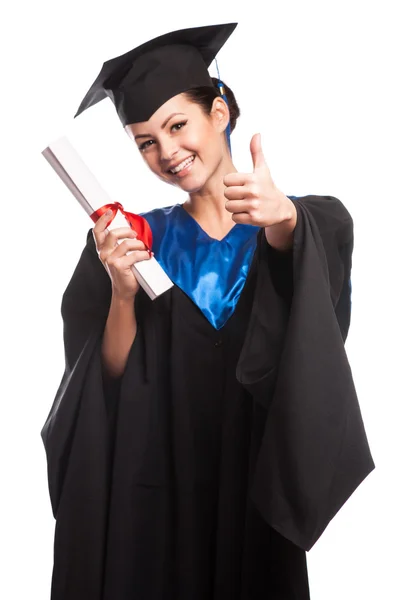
[185, 163]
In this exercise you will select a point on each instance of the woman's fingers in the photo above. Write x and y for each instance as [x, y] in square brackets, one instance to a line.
[108, 239]
[118, 250]
[100, 230]
[120, 233]
[128, 245]
[136, 256]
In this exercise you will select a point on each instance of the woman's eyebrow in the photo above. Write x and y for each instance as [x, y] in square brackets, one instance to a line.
[170, 117]
[143, 135]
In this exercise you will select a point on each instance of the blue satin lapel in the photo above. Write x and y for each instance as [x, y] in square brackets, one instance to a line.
[211, 272]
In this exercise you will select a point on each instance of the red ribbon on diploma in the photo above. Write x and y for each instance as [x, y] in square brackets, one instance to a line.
[136, 222]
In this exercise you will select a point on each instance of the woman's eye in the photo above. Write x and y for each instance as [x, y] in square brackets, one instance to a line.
[178, 126]
[146, 145]
[149, 143]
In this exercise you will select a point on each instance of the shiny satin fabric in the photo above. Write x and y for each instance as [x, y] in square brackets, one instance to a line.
[211, 272]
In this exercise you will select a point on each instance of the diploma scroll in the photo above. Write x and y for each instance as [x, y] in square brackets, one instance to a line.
[71, 169]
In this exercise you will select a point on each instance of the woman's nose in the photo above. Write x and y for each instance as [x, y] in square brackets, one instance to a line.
[168, 149]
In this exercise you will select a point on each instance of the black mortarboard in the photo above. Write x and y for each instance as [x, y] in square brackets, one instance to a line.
[141, 80]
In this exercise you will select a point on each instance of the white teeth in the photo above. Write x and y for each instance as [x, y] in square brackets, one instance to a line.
[183, 164]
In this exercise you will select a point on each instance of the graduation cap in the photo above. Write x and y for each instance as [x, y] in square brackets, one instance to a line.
[141, 80]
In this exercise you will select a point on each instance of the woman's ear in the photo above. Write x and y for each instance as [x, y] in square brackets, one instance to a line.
[220, 114]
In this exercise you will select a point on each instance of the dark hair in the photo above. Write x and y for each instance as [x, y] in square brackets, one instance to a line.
[205, 96]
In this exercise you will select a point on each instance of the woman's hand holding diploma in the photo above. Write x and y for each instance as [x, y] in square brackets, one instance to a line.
[118, 258]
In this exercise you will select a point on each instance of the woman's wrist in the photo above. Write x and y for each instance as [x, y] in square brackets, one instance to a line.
[281, 235]
[122, 300]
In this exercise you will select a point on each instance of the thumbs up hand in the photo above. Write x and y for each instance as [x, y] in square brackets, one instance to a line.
[253, 198]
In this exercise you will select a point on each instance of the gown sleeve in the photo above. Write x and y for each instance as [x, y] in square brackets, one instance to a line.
[314, 451]
[84, 387]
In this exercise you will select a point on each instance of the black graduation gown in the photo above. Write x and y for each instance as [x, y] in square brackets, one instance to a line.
[219, 457]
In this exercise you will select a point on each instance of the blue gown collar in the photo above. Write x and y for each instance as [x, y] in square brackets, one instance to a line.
[212, 273]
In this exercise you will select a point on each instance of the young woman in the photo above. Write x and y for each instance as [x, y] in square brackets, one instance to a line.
[200, 443]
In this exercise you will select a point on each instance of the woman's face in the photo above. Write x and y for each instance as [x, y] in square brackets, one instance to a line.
[181, 144]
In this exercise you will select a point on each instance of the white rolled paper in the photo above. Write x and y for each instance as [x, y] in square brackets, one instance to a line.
[81, 182]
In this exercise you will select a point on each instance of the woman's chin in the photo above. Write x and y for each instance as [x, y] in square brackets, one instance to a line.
[191, 185]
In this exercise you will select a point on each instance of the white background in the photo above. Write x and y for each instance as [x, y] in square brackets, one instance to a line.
[319, 81]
